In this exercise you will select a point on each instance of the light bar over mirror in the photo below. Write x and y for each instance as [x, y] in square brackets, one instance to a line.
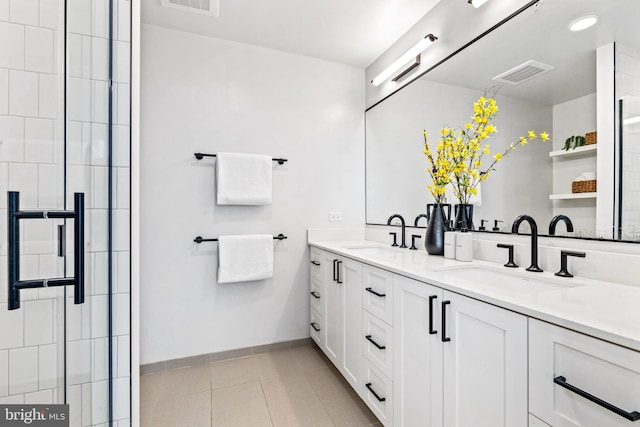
[411, 54]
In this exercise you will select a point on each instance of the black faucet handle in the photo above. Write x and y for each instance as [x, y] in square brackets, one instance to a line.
[413, 241]
[395, 238]
[564, 272]
[511, 263]
[495, 224]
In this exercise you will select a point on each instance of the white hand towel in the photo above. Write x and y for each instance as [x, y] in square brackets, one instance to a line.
[245, 258]
[244, 179]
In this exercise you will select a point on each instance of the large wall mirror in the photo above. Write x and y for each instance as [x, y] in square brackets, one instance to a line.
[593, 85]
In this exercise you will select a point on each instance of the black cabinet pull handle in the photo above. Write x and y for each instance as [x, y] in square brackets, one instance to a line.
[315, 294]
[380, 399]
[445, 338]
[315, 328]
[315, 263]
[631, 416]
[375, 293]
[335, 261]
[338, 272]
[431, 299]
[380, 347]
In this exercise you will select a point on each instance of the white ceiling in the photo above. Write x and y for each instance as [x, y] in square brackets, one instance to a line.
[353, 32]
[542, 34]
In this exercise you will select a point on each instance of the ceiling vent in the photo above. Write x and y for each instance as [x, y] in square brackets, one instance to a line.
[523, 72]
[204, 7]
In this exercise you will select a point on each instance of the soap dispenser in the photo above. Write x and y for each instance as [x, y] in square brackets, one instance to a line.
[450, 241]
[464, 245]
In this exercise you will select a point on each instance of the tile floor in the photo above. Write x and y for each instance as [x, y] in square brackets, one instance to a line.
[286, 388]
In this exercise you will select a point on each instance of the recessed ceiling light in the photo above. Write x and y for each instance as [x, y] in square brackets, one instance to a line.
[583, 23]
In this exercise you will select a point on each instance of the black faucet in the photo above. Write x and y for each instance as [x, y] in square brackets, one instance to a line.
[403, 245]
[534, 239]
[556, 219]
[417, 220]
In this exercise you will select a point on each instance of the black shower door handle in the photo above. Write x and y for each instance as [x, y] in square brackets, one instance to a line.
[14, 215]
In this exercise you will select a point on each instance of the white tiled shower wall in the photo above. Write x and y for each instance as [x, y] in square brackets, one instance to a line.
[628, 88]
[32, 162]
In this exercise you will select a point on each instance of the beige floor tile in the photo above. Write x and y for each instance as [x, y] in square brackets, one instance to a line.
[294, 404]
[310, 358]
[146, 414]
[233, 372]
[186, 381]
[240, 405]
[150, 387]
[286, 388]
[277, 364]
[185, 410]
[344, 406]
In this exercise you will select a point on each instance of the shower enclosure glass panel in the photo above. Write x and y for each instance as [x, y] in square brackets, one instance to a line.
[64, 129]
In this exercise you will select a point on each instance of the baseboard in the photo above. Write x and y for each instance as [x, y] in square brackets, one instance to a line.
[203, 359]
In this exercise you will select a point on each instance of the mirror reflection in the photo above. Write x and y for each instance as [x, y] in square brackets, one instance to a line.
[566, 85]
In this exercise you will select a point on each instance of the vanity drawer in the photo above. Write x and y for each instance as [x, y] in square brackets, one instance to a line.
[377, 334]
[564, 365]
[316, 328]
[377, 297]
[377, 393]
[315, 266]
[317, 299]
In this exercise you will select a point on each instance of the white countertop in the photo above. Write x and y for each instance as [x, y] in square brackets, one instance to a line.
[604, 310]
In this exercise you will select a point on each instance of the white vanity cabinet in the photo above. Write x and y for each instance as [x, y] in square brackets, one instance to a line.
[378, 342]
[458, 361]
[343, 317]
[579, 381]
[418, 354]
[485, 364]
[317, 296]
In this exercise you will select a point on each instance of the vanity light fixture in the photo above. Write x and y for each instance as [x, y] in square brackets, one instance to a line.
[413, 53]
[477, 3]
[583, 23]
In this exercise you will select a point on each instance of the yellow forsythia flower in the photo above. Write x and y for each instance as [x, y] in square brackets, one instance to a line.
[544, 136]
[497, 156]
[523, 140]
[532, 135]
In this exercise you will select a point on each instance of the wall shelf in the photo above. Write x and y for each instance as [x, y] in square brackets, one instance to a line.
[571, 196]
[587, 149]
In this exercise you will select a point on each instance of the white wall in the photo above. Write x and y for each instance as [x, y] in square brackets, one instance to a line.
[210, 95]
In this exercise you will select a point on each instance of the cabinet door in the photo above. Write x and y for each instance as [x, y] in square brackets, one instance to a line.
[350, 274]
[417, 354]
[565, 366]
[333, 316]
[485, 364]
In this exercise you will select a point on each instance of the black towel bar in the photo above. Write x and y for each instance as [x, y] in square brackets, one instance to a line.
[199, 239]
[200, 156]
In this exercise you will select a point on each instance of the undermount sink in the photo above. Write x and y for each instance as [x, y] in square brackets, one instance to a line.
[513, 283]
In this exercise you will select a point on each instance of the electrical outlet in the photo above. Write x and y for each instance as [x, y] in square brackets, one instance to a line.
[335, 216]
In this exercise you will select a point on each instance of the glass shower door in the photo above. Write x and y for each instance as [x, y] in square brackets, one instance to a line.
[64, 133]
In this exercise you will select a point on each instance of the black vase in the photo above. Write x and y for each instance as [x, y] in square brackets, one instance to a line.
[436, 226]
[464, 217]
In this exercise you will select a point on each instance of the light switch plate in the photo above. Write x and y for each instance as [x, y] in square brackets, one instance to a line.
[335, 216]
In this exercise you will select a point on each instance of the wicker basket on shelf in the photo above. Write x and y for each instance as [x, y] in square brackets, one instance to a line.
[591, 138]
[588, 186]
